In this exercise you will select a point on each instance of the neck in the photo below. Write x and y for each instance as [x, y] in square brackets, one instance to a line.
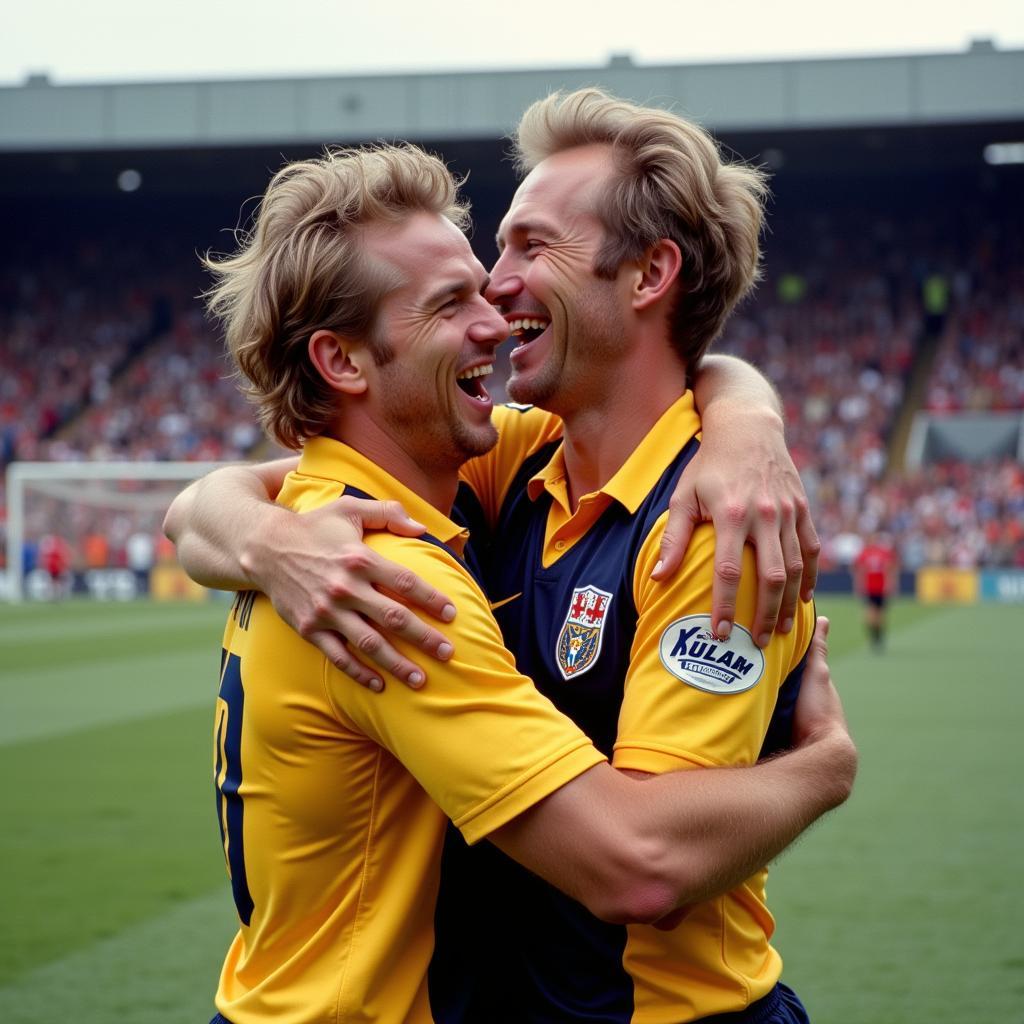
[436, 484]
[601, 436]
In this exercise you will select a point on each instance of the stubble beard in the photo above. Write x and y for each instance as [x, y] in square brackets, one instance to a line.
[440, 439]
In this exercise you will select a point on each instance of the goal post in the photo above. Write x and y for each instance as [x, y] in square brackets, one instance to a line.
[134, 491]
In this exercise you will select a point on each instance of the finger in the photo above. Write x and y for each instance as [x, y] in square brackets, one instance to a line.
[729, 539]
[683, 515]
[394, 518]
[794, 571]
[365, 642]
[820, 638]
[369, 514]
[404, 583]
[818, 658]
[771, 575]
[341, 658]
[399, 621]
[810, 549]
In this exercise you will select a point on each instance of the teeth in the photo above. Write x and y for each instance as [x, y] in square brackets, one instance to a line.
[526, 324]
[476, 371]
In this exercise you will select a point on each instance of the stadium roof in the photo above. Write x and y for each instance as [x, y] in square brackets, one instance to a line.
[982, 85]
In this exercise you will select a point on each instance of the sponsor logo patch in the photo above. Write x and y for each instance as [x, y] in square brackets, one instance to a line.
[691, 652]
[579, 642]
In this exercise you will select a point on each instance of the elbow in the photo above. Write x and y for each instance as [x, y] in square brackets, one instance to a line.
[638, 887]
[638, 903]
[841, 769]
[177, 514]
[847, 771]
[171, 525]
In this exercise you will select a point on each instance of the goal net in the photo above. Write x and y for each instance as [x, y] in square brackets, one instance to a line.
[93, 529]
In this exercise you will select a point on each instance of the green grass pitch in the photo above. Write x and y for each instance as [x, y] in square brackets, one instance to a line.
[901, 907]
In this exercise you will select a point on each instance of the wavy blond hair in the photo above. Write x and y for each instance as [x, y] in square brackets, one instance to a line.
[302, 268]
[670, 181]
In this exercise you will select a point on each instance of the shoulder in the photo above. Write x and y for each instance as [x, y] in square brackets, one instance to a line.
[303, 493]
[441, 568]
[523, 430]
[526, 419]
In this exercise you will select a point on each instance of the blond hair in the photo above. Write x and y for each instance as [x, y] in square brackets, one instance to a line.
[670, 181]
[303, 268]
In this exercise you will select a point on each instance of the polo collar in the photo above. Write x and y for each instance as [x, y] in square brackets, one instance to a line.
[633, 481]
[329, 459]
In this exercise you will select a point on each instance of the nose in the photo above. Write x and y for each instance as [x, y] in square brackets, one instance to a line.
[490, 327]
[505, 280]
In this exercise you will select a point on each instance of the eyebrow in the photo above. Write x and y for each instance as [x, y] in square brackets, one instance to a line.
[456, 288]
[523, 227]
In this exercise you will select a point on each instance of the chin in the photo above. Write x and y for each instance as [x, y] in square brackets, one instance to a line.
[540, 390]
[522, 390]
[478, 442]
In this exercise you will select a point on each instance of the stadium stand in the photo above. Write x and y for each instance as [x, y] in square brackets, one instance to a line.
[881, 299]
[856, 303]
[105, 355]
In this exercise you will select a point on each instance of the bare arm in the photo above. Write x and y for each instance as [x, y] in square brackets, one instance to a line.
[744, 481]
[203, 521]
[634, 850]
[321, 579]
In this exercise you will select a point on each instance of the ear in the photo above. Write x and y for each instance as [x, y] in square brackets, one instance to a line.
[659, 270]
[340, 361]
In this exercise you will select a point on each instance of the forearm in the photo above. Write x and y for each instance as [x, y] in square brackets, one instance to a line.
[635, 850]
[708, 830]
[217, 524]
[724, 384]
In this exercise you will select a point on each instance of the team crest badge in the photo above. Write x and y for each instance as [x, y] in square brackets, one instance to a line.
[579, 642]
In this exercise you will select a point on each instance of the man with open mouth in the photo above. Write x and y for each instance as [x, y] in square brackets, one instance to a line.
[624, 251]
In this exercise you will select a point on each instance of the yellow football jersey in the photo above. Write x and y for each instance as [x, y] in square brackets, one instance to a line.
[333, 800]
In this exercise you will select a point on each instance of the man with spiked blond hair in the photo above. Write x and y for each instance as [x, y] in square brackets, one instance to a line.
[610, 321]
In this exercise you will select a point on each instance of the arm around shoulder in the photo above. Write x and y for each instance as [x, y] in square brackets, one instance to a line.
[633, 850]
[216, 523]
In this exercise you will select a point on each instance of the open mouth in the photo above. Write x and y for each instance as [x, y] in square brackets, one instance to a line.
[527, 329]
[471, 382]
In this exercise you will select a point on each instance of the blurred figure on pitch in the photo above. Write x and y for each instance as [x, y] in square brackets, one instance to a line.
[876, 572]
[140, 552]
[55, 559]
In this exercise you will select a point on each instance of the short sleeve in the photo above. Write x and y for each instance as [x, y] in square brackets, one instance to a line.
[522, 430]
[690, 699]
[478, 736]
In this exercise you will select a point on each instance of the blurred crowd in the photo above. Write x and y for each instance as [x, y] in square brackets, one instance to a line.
[176, 401]
[980, 363]
[958, 514]
[105, 355]
[845, 311]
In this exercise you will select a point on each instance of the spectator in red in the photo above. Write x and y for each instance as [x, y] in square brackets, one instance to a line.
[55, 558]
[875, 578]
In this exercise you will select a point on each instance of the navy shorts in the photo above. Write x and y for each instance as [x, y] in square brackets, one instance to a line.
[780, 1006]
[878, 600]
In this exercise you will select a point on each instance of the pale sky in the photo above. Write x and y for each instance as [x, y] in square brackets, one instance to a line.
[117, 40]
